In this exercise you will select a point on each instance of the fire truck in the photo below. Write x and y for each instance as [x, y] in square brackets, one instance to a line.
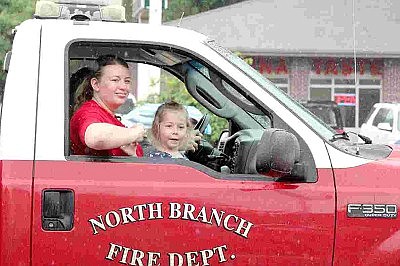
[278, 187]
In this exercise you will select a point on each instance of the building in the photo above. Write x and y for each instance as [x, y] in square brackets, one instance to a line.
[308, 48]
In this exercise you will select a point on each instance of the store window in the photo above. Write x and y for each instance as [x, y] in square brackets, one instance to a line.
[281, 82]
[354, 97]
[333, 79]
[369, 94]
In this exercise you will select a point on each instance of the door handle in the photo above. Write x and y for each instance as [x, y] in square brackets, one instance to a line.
[57, 210]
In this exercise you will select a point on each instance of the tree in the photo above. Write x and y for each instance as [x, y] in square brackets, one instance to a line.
[128, 9]
[12, 13]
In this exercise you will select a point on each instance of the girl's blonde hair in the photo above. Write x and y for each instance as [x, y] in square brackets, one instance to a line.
[158, 118]
[84, 91]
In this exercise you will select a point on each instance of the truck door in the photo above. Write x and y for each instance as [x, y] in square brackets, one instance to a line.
[140, 211]
[127, 213]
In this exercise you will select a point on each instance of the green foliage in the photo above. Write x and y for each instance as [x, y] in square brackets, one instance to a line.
[12, 13]
[128, 10]
[248, 60]
[174, 89]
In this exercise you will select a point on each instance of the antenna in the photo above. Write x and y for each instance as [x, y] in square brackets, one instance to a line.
[180, 20]
[354, 44]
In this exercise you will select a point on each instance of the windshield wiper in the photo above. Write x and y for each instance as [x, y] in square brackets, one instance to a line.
[364, 138]
[340, 136]
[345, 135]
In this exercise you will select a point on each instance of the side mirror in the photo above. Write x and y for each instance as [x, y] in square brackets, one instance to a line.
[385, 126]
[277, 153]
[6, 62]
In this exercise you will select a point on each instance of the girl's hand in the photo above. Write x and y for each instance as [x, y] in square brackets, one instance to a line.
[191, 143]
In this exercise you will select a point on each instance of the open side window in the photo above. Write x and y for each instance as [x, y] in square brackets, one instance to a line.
[195, 83]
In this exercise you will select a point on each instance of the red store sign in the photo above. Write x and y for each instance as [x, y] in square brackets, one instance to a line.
[345, 66]
[345, 99]
[270, 65]
[321, 66]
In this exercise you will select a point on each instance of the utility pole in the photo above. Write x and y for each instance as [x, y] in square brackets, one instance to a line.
[155, 12]
[149, 76]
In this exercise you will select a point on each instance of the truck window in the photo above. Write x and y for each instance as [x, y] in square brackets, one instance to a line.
[384, 115]
[193, 82]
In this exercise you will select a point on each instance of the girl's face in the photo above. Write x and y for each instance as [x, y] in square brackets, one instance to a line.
[173, 129]
[113, 87]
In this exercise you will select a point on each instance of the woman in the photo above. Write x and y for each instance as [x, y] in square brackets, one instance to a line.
[94, 128]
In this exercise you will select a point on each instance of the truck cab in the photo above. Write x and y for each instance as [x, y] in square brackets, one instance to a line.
[278, 187]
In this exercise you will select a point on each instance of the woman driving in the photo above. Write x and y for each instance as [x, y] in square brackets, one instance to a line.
[94, 128]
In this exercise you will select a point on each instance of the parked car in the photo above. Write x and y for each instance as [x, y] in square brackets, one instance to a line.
[327, 111]
[382, 124]
[145, 114]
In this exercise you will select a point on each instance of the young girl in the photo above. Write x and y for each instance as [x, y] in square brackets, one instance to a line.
[169, 130]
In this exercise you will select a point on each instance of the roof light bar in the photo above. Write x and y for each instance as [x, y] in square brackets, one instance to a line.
[47, 9]
[113, 13]
[106, 10]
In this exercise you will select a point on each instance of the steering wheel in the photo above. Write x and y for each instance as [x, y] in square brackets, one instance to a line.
[202, 124]
[205, 154]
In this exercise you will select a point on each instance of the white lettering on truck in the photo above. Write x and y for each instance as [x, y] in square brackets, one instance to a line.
[130, 256]
[152, 211]
[229, 222]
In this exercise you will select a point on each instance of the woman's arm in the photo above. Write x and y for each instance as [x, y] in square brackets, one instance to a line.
[104, 136]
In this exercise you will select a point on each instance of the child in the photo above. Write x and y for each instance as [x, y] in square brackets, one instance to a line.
[169, 130]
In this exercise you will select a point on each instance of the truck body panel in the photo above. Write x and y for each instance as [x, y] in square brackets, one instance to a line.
[16, 212]
[368, 241]
[18, 117]
[20, 95]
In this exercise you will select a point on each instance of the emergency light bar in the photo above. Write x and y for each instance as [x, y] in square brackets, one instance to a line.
[104, 10]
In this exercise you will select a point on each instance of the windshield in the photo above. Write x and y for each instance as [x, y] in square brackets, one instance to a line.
[316, 124]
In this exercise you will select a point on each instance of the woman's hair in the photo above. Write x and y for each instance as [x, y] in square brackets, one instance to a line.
[84, 91]
[158, 118]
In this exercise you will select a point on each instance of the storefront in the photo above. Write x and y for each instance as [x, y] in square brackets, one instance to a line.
[311, 55]
[328, 79]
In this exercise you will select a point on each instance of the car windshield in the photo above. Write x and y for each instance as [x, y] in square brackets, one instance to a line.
[316, 124]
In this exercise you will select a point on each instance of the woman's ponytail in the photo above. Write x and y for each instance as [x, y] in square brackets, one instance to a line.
[83, 93]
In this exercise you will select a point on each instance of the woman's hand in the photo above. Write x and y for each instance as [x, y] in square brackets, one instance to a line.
[130, 149]
[138, 131]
